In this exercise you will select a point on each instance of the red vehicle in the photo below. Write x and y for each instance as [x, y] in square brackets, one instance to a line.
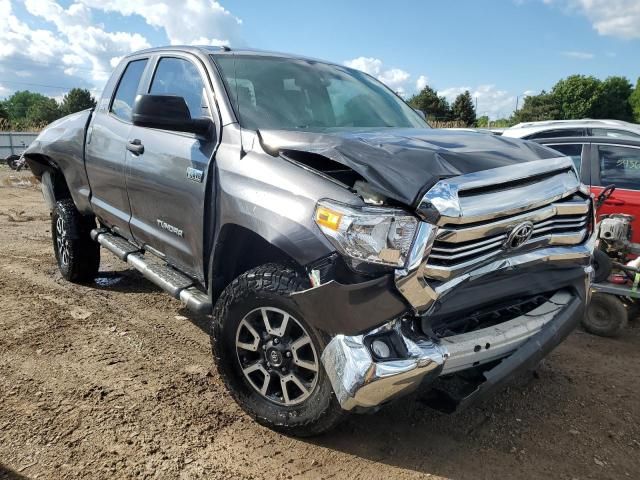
[604, 161]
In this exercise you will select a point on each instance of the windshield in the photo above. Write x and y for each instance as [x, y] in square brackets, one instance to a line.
[288, 94]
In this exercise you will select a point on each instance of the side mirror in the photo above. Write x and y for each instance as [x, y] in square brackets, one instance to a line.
[421, 113]
[167, 112]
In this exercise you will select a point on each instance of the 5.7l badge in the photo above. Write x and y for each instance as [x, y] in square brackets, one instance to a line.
[194, 175]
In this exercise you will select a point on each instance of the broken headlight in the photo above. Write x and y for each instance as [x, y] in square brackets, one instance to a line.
[377, 235]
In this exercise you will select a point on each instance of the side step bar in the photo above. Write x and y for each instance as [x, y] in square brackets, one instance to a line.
[169, 279]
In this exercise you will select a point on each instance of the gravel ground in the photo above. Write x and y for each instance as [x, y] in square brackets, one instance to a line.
[115, 380]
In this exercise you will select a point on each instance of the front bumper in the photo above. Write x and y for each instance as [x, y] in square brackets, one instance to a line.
[361, 381]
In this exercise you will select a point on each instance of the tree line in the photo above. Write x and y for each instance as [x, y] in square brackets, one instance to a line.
[26, 110]
[577, 96]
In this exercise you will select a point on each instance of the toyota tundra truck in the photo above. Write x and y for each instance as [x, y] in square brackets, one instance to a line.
[346, 252]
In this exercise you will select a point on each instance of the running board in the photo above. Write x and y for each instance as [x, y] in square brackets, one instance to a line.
[169, 279]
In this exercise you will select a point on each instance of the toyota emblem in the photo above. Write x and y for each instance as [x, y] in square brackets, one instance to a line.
[519, 236]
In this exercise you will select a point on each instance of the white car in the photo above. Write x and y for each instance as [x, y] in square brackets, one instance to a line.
[573, 128]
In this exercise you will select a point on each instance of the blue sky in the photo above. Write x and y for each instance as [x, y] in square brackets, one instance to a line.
[498, 49]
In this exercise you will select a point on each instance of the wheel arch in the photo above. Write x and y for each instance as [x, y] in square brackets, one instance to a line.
[239, 249]
[54, 183]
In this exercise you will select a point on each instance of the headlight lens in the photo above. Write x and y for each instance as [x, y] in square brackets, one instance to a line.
[368, 234]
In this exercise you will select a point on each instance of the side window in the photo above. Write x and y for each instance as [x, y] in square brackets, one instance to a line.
[557, 133]
[122, 104]
[573, 150]
[176, 76]
[611, 132]
[620, 166]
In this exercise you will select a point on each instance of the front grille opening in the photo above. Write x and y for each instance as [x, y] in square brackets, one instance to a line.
[484, 317]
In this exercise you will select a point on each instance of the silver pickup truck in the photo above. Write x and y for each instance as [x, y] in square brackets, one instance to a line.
[346, 252]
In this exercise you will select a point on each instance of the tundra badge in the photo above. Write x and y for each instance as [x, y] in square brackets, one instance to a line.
[170, 228]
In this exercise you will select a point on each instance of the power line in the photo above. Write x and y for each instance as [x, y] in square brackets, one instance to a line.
[45, 64]
[59, 87]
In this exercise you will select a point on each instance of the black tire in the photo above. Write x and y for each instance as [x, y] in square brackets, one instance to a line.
[78, 256]
[606, 315]
[269, 286]
[12, 161]
[602, 266]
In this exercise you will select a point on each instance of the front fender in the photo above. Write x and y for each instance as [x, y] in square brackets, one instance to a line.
[276, 200]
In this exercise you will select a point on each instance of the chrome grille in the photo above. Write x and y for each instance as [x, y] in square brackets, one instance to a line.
[458, 246]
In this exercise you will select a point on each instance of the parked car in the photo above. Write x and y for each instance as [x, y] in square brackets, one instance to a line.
[346, 251]
[573, 128]
[604, 161]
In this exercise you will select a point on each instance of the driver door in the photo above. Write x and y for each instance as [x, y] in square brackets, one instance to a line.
[167, 171]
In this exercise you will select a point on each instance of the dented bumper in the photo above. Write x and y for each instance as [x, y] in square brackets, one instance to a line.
[360, 380]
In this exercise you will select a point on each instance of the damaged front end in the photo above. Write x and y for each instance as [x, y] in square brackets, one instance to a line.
[497, 275]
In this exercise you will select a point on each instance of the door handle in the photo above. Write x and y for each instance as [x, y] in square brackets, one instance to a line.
[135, 146]
[614, 201]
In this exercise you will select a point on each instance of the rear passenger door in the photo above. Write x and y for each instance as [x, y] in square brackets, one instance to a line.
[618, 165]
[167, 181]
[106, 150]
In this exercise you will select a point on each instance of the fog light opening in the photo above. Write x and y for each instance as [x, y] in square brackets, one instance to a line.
[380, 349]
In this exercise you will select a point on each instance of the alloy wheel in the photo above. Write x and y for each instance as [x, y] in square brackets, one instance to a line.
[277, 356]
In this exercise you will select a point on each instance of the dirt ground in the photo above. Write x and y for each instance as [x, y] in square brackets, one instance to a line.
[115, 380]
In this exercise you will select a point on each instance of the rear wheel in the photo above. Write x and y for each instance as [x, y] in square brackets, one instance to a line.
[77, 255]
[269, 357]
[606, 315]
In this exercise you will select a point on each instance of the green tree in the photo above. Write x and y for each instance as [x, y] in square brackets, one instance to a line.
[482, 122]
[543, 106]
[4, 114]
[463, 109]
[578, 96]
[30, 106]
[614, 99]
[434, 106]
[43, 110]
[76, 100]
[634, 101]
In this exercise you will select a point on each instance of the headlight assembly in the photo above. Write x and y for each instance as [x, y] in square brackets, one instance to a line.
[378, 235]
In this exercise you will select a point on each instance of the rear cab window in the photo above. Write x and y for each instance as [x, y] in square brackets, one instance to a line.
[619, 166]
[125, 94]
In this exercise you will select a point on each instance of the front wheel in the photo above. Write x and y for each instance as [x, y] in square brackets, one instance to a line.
[269, 357]
[77, 255]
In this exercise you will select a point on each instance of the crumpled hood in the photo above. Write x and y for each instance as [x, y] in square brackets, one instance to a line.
[402, 164]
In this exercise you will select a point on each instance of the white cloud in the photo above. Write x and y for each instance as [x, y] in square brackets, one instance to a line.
[421, 82]
[578, 55]
[185, 22]
[492, 101]
[396, 79]
[74, 50]
[617, 18]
